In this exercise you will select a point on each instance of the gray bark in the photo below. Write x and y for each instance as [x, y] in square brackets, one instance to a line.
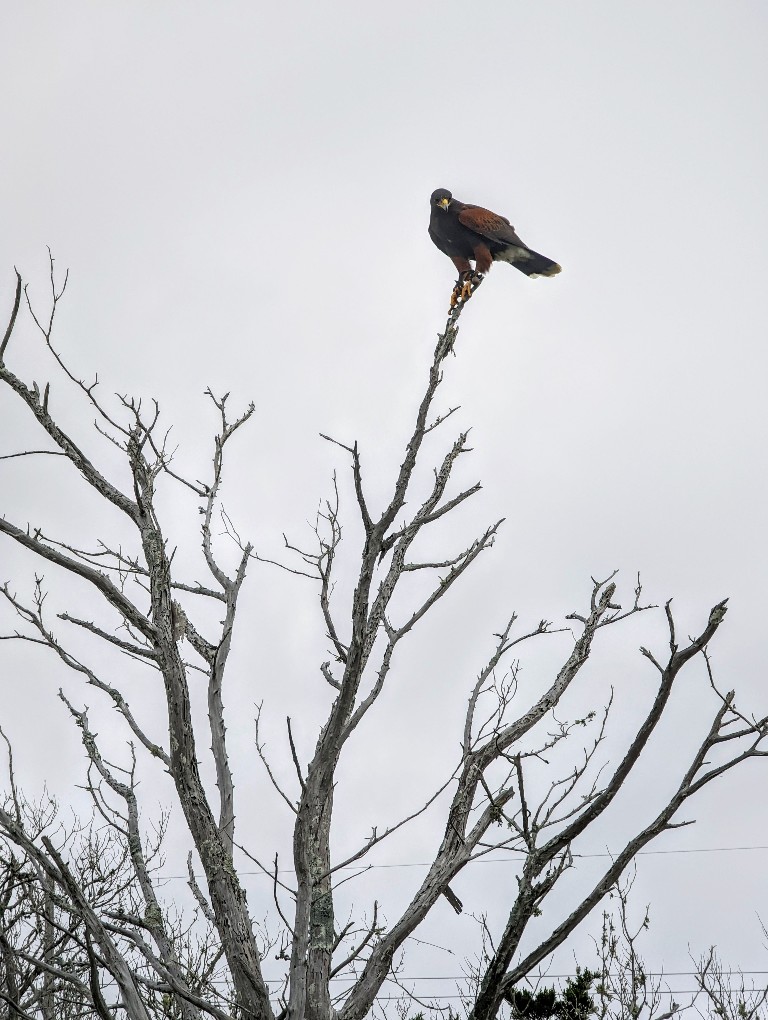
[479, 802]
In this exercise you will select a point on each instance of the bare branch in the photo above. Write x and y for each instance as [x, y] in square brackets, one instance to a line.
[265, 762]
[197, 892]
[126, 646]
[372, 930]
[33, 453]
[375, 838]
[293, 753]
[12, 320]
[100, 581]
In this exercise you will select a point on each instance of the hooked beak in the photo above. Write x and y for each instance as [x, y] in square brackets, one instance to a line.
[444, 202]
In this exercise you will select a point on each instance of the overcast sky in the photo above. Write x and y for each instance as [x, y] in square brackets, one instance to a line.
[240, 191]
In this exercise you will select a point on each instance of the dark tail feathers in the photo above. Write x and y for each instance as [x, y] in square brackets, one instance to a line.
[529, 262]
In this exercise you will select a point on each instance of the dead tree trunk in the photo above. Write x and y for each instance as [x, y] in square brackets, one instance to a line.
[76, 934]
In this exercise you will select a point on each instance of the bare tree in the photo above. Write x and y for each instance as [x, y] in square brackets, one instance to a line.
[625, 988]
[87, 942]
[727, 993]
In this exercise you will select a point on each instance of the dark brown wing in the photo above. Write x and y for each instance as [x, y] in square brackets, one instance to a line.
[489, 225]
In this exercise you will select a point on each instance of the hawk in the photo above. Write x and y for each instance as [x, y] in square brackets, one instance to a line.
[465, 232]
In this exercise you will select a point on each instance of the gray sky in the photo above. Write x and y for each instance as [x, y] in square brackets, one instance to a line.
[240, 191]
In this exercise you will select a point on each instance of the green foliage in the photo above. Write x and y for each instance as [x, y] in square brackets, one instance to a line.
[575, 1002]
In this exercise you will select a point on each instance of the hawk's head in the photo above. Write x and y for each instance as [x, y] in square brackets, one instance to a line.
[441, 199]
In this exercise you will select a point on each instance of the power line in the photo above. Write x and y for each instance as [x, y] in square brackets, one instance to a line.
[665, 991]
[463, 977]
[488, 860]
[443, 998]
[542, 977]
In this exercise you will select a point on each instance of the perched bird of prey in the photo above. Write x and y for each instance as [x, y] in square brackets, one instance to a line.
[465, 232]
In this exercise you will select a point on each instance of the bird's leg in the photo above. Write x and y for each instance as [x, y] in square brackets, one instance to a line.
[460, 292]
[474, 277]
[464, 286]
[468, 285]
